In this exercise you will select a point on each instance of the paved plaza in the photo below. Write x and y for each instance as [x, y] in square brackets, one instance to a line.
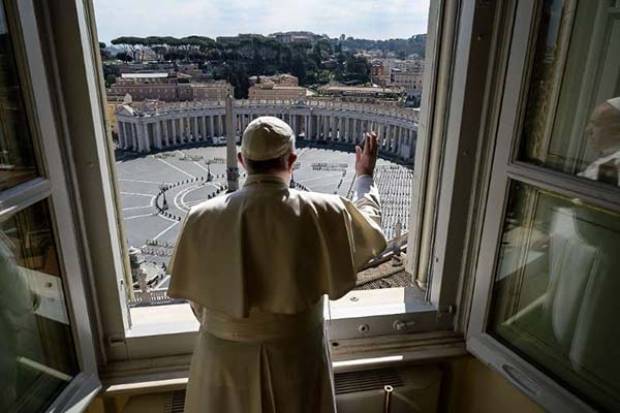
[184, 173]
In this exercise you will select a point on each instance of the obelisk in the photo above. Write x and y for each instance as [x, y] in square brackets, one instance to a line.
[232, 170]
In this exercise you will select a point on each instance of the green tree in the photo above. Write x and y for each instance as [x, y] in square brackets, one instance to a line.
[124, 56]
[357, 69]
[130, 45]
[110, 79]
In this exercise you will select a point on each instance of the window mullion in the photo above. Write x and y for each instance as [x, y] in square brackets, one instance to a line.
[22, 196]
[589, 191]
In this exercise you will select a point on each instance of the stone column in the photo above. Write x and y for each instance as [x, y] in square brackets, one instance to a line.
[325, 122]
[316, 125]
[127, 134]
[232, 171]
[211, 133]
[158, 134]
[186, 129]
[316, 128]
[336, 128]
[121, 133]
[165, 132]
[131, 134]
[146, 136]
[136, 138]
[194, 128]
[203, 126]
[396, 138]
[140, 137]
[174, 130]
[349, 130]
[386, 134]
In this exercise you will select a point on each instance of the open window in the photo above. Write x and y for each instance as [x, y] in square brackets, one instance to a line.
[174, 145]
[47, 354]
[167, 116]
[544, 301]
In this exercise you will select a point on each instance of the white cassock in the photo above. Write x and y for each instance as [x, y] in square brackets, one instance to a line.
[255, 264]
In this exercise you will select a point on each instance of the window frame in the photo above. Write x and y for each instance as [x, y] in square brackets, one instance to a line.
[453, 81]
[50, 186]
[506, 169]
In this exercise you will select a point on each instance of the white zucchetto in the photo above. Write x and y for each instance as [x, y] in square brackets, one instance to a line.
[267, 137]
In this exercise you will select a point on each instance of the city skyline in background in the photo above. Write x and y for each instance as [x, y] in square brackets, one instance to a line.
[373, 20]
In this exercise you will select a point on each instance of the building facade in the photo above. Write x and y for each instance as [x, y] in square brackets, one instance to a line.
[162, 86]
[155, 127]
[410, 81]
[271, 91]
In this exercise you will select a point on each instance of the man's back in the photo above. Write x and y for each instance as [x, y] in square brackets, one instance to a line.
[255, 265]
[271, 247]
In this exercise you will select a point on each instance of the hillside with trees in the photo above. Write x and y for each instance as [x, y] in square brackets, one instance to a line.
[235, 59]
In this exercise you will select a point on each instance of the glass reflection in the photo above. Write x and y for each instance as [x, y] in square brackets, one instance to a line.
[17, 162]
[36, 350]
[603, 137]
[572, 119]
[555, 293]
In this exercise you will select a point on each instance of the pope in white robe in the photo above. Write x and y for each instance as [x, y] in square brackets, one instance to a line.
[255, 265]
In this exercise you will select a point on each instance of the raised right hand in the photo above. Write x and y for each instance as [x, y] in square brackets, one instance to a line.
[366, 158]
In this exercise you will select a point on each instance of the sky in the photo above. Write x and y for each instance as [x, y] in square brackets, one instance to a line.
[369, 19]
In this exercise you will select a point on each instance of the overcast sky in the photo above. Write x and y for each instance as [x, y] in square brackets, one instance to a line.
[370, 19]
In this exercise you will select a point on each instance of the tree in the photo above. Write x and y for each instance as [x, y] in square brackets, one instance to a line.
[357, 69]
[194, 43]
[130, 44]
[105, 55]
[124, 56]
[109, 80]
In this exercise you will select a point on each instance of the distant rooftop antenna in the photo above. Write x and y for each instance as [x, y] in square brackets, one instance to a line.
[232, 170]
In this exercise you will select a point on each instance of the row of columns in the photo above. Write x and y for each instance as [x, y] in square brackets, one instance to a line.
[144, 134]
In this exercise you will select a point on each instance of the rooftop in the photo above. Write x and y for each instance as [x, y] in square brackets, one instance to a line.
[157, 75]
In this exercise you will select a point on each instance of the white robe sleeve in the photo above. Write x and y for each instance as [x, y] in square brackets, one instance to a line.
[366, 237]
[366, 198]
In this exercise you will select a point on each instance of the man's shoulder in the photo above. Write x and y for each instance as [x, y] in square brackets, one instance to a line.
[213, 205]
[320, 199]
[308, 200]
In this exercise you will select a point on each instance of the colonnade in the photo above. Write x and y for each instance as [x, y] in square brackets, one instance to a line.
[152, 128]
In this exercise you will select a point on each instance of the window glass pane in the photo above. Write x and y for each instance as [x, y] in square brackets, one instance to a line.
[555, 294]
[17, 163]
[36, 350]
[572, 121]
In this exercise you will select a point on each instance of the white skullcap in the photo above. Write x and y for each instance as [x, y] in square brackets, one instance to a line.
[267, 137]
